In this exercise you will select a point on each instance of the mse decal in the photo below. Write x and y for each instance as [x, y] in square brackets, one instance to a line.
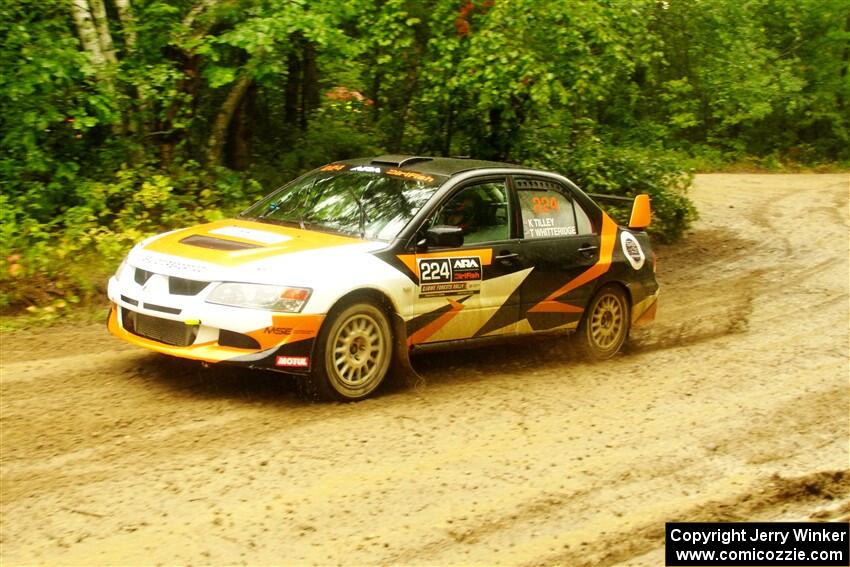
[278, 330]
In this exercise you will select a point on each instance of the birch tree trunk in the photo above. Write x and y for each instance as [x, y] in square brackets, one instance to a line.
[218, 136]
[93, 44]
[98, 10]
[128, 23]
[87, 31]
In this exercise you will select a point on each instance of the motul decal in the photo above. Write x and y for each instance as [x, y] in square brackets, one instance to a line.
[293, 361]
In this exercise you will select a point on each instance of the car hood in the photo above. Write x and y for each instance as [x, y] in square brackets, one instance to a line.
[239, 242]
[210, 251]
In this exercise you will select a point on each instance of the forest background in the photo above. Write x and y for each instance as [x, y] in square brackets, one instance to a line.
[123, 118]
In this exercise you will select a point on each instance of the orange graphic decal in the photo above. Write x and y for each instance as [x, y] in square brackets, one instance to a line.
[287, 329]
[425, 332]
[410, 175]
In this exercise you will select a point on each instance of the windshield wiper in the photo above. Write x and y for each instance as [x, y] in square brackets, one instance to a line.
[361, 210]
[363, 219]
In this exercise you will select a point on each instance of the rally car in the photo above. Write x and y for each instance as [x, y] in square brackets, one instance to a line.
[337, 276]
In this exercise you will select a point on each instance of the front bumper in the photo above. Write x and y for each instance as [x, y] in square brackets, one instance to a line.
[213, 333]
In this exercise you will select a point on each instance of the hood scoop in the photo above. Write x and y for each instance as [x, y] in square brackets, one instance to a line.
[216, 243]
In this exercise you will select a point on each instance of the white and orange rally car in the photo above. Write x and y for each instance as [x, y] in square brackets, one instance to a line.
[338, 275]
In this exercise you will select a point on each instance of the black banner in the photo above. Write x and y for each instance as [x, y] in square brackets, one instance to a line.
[763, 544]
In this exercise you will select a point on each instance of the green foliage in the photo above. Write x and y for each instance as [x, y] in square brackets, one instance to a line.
[69, 258]
[199, 102]
[333, 135]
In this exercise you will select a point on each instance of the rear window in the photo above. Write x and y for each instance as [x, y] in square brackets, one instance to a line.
[546, 211]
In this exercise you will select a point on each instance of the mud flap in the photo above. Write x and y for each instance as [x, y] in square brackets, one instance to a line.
[402, 371]
[648, 315]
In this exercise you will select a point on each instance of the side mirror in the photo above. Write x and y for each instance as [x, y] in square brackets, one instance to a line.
[641, 213]
[443, 236]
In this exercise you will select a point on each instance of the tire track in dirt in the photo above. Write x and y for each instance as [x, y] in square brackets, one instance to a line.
[776, 499]
[732, 406]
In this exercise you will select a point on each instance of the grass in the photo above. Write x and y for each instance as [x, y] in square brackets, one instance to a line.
[87, 314]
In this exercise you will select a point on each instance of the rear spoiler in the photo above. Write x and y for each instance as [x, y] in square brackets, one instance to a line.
[641, 210]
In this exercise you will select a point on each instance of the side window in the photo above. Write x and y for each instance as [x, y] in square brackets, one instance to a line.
[547, 211]
[481, 210]
[582, 220]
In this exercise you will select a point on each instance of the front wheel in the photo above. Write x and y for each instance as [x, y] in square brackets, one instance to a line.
[605, 325]
[353, 353]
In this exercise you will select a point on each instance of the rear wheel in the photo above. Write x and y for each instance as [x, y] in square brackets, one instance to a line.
[353, 353]
[605, 325]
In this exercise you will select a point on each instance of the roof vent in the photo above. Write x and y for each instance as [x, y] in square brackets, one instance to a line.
[399, 161]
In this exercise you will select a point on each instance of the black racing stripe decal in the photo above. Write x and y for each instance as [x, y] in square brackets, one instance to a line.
[495, 270]
[540, 284]
[546, 321]
[390, 257]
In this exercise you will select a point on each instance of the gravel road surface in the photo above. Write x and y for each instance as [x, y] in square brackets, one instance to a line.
[733, 406]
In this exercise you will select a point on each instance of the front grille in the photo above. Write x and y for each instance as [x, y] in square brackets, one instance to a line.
[182, 286]
[175, 333]
[154, 307]
[142, 276]
[176, 286]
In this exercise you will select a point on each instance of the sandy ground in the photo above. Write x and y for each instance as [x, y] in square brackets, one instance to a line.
[733, 406]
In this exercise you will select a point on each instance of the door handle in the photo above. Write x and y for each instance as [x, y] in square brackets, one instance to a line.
[507, 256]
[588, 249]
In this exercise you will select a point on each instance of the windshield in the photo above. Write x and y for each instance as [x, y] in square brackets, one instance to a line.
[366, 201]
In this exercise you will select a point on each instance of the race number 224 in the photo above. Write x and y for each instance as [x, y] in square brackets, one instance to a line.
[435, 270]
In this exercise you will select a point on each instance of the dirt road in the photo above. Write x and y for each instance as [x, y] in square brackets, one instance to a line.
[734, 406]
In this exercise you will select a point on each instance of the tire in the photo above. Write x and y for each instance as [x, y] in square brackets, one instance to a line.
[353, 354]
[605, 325]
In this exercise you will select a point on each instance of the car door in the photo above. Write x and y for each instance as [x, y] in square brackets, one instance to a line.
[558, 244]
[471, 290]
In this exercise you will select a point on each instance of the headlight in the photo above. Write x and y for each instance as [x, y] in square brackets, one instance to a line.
[259, 296]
